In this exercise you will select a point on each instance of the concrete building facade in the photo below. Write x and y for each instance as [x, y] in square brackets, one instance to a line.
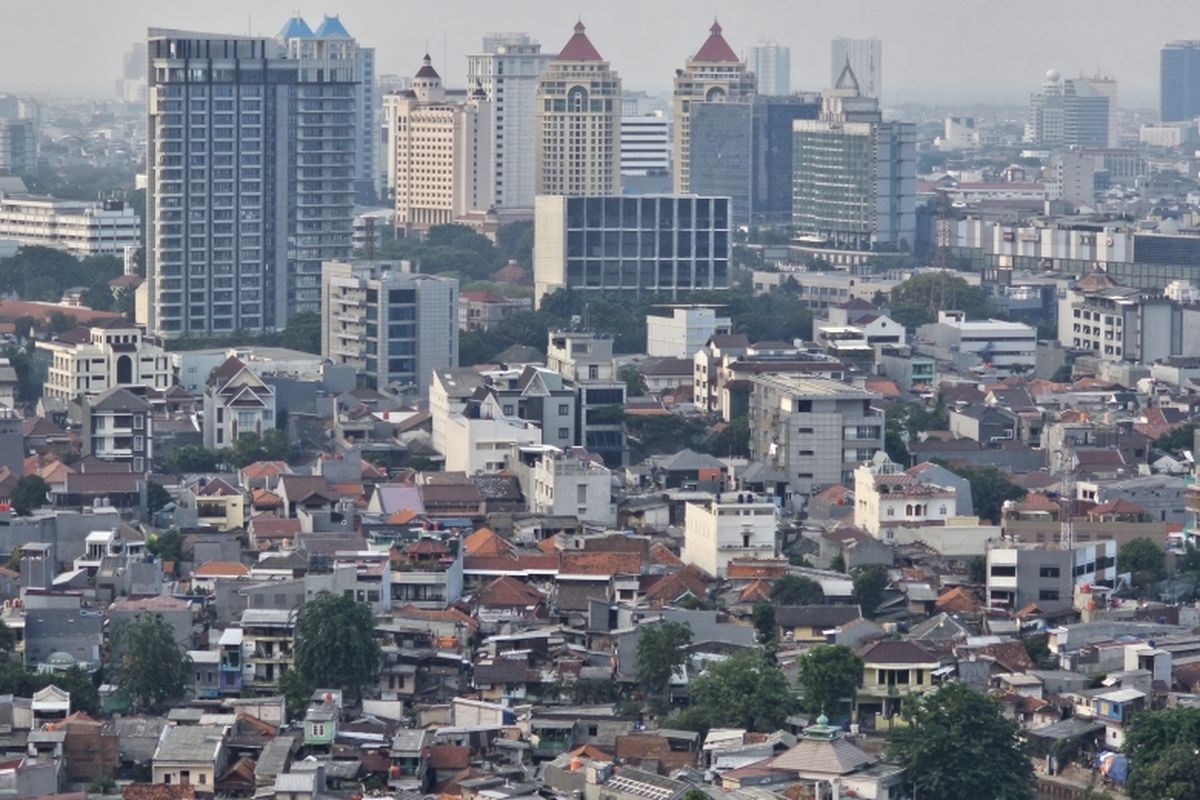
[729, 526]
[771, 64]
[682, 331]
[80, 227]
[114, 354]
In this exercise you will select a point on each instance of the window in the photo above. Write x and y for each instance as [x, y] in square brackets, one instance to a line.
[1048, 594]
[563, 433]
[1004, 571]
[1048, 571]
[564, 409]
[318, 729]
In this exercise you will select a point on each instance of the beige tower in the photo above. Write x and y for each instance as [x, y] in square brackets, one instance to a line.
[579, 123]
[714, 75]
[442, 153]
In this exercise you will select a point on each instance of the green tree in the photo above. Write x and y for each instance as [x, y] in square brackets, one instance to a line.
[742, 691]
[151, 667]
[7, 641]
[838, 562]
[635, 384]
[733, 440]
[191, 458]
[1159, 745]
[17, 679]
[296, 691]
[990, 488]
[157, 496]
[1180, 438]
[869, 584]
[167, 545]
[662, 434]
[829, 675]
[662, 652]
[762, 615]
[270, 445]
[60, 322]
[29, 494]
[918, 300]
[977, 569]
[303, 332]
[336, 647]
[1144, 560]
[797, 590]
[957, 744]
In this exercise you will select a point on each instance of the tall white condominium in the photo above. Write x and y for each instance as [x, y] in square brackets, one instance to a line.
[715, 74]
[645, 144]
[772, 67]
[442, 152]
[506, 70]
[578, 123]
[250, 161]
[865, 57]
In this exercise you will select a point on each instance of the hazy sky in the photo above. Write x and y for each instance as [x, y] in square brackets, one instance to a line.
[933, 50]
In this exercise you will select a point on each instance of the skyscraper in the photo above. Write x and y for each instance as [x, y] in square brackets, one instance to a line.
[1077, 112]
[855, 176]
[1179, 81]
[578, 123]
[772, 67]
[713, 75]
[251, 166]
[506, 70]
[442, 152]
[865, 57]
[366, 154]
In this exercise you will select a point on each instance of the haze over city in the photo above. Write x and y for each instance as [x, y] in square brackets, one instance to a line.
[936, 51]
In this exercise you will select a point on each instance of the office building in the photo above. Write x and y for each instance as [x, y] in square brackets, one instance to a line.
[771, 64]
[251, 166]
[660, 244]
[744, 151]
[1119, 323]
[713, 75]
[395, 326]
[1021, 576]
[131, 86]
[727, 527]
[443, 162]
[682, 331]
[958, 133]
[646, 145]
[80, 227]
[1179, 81]
[506, 69]
[854, 176]
[1077, 112]
[115, 354]
[816, 431]
[18, 146]
[578, 118]
[1007, 347]
[865, 58]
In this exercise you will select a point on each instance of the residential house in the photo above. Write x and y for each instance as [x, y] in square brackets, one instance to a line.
[812, 624]
[236, 401]
[192, 755]
[891, 670]
[118, 425]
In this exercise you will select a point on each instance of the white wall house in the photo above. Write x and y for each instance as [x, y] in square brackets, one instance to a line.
[729, 526]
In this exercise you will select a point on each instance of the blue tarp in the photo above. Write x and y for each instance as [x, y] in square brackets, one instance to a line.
[1112, 765]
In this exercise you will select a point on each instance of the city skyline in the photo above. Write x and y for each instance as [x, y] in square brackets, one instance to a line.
[666, 34]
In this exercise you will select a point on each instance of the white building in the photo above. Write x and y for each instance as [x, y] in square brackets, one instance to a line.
[570, 483]
[1119, 323]
[681, 331]
[80, 227]
[113, 354]
[646, 144]
[578, 113]
[236, 402]
[506, 70]
[727, 527]
[771, 64]
[1009, 347]
[474, 435]
[958, 133]
[1167, 134]
[865, 57]
[442, 153]
[887, 497]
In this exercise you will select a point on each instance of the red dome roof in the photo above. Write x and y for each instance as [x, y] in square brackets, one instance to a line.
[579, 47]
[715, 48]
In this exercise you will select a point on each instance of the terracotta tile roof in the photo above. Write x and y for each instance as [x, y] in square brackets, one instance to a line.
[1010, 655]
[757, 591]
[1036, 501]
[449, 756]
[261, 498]
[264, 469]
[749, 568]
[486, 542]
[670, 588]
[587, 563]
[715, 48]
[957, 600]
[579, 47]
[1117, 506]
[160, 602]
[508, 592]
[266, 527]
[438, 615]
[590, 752]
[158, 791]
[402, 517]
[663, 555]
[548, 545]
[515, 563]
[215, 569]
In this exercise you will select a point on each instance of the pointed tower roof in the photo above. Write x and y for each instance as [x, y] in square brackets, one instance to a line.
[332, 28]
[295, 28]
[579, 47]
[427, 70]
[848, 80]
[715, 48]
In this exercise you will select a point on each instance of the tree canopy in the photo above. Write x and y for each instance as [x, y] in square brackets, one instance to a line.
[742, 691]
[336, 647]
[167, 545]
[869, 584]
[17, 679]
[990, 488]
[29, 494]
[662, 652]
[959, 744]
[151, 668]
[829, 675]
[797, 590]
[918, 300]
[1160, 746]
[1144, 559]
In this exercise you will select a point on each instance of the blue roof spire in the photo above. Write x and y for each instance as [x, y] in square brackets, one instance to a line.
[295, 28]
[332, 28]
